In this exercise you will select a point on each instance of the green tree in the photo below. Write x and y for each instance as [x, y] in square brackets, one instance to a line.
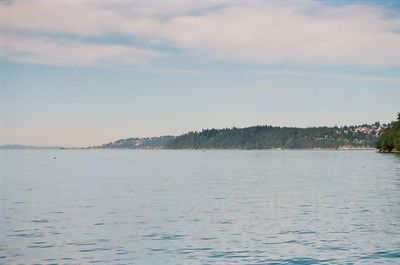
[389, 140]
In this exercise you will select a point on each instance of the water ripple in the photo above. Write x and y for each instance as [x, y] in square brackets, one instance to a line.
[175, 207]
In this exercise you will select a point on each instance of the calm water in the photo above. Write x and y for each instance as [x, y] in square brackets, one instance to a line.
[194, 207]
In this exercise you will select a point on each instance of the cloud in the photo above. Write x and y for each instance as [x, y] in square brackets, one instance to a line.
[278, 90]
[74, 17]
[60, 52]
[276, 34]
[329, 76]
[310, 33]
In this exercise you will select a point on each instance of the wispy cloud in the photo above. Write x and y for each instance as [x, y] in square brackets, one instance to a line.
[258, 32]
[278, 90]
[328, 76]
[61, 52]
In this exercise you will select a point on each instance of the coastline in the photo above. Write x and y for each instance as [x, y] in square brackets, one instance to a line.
[229, 149]
[204, 149]
[389, 152]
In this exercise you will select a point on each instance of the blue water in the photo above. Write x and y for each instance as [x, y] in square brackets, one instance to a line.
[195, 207]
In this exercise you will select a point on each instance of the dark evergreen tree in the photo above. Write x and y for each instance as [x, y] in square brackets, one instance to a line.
[267, 137]
[389, 140]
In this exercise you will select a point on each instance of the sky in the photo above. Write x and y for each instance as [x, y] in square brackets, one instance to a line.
[82, 73]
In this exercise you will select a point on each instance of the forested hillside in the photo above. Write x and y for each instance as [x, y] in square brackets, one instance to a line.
[267, 137]
[139, 143]
[389, 140]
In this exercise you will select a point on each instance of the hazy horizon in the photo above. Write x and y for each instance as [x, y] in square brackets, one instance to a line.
[87, 73]
[175, 135]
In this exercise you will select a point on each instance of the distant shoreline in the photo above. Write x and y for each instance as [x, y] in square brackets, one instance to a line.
[211, 149]
[28, 147]
[260, 137]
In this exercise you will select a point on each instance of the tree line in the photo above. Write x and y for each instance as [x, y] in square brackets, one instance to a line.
[270, 137]
[389, 139]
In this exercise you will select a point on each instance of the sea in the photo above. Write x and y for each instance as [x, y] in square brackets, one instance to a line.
[156, 207]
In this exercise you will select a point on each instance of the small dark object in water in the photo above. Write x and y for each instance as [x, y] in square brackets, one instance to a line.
[54, 157]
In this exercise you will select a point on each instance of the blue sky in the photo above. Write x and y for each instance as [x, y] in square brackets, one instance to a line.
[84, 73]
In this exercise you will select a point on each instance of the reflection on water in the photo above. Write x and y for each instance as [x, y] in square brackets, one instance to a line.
[190, 207]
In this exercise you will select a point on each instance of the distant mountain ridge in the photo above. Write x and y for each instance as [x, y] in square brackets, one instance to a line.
[261, 137]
